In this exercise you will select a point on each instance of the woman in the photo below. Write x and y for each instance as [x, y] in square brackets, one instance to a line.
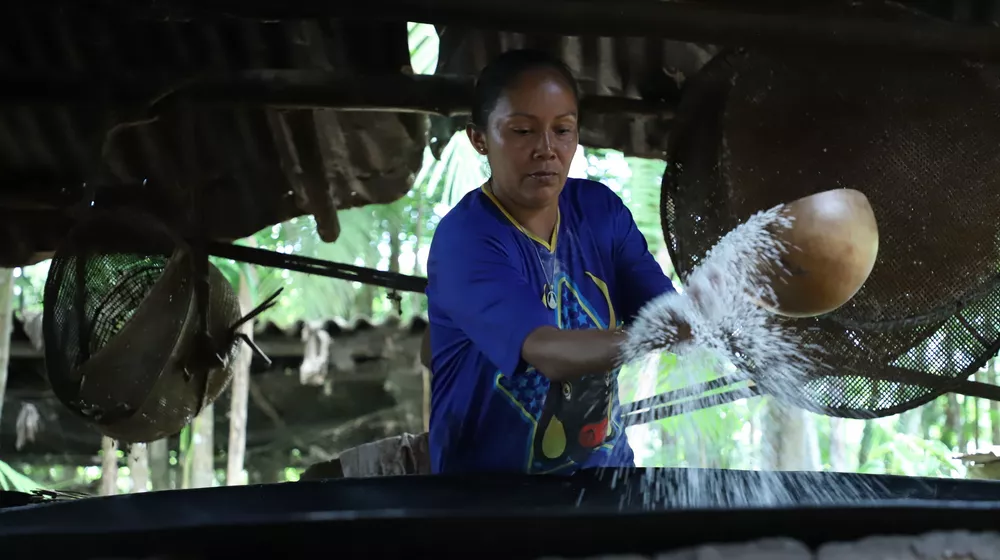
[530, 279]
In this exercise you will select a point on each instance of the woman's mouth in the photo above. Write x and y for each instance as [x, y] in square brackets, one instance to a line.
[544, 175]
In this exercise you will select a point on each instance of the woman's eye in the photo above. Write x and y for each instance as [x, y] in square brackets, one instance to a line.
[564, 131]
[521, 131]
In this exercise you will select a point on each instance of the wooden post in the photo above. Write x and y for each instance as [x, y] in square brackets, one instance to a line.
[6, 310]
[240, 392]
[138, 467]
[109, 467]
[203, 449]
[159, 464]
[426, 374]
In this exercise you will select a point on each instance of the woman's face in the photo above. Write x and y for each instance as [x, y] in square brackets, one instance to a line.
[531, 138]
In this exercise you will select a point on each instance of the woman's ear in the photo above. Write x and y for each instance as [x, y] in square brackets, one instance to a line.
[477, 138]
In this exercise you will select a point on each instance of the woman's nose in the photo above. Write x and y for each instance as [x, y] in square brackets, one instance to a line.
[544, 148]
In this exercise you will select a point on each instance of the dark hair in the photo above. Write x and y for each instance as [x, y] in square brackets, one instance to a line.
[505, 70]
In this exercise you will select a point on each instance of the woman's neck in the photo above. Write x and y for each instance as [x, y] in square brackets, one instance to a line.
[540, 222]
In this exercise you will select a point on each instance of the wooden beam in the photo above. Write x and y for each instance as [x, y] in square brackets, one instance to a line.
[280, 89]
[291, 348]
[684, 21]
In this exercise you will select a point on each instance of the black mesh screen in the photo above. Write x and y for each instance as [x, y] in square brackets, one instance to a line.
[110, 323]
[920, 138]
[93, 300]
[125, 345]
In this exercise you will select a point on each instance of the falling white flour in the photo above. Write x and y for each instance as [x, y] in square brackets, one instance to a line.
[728, 326]
[719, 303]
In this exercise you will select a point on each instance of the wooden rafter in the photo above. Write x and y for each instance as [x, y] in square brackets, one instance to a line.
[280, 89]
[683, 21]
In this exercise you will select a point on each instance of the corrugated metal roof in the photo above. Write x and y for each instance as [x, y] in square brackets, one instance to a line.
[255, 167]
[635, 68]
[342, 327]
[260, 166]
[26, 330]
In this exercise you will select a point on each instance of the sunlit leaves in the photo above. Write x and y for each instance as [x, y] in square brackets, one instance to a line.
[12, 480]
[423, 40]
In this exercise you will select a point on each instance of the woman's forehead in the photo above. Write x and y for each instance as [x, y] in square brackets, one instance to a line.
[540, 93]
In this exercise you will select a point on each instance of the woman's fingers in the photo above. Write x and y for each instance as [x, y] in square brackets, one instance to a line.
[706, 291]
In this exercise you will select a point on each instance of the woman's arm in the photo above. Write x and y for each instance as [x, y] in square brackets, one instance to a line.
[564, 355]
[472, 279]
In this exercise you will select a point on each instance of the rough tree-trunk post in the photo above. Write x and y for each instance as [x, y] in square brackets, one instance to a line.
[240, 392]
[109, 466]
[186, 455]
[425, 372]
[789, 440]
[418, 269]
[138, 467]
[366, 295]
[838, 445]
[203, 449]
[159, 465]
[953, 433]
[867, 440]
[395, 249]
[974, 402]
[6, 309]
[995, 405]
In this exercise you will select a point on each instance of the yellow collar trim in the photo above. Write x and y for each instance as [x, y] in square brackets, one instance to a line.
[550, 245]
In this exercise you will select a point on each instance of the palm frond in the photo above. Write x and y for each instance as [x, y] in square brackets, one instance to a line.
[424, 46]
[460, 170]
[11, 479]
[308, 296]
[644, 199]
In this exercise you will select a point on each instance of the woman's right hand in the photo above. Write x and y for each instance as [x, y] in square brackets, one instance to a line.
[704, 295]
[667, 322]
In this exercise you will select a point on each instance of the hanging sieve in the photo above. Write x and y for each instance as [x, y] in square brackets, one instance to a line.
[130, 345]
[918, 137]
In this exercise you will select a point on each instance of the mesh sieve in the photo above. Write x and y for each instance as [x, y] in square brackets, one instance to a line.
[919, 137]
[124, 344]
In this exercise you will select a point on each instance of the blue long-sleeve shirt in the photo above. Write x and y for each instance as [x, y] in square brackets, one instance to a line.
[487, 283]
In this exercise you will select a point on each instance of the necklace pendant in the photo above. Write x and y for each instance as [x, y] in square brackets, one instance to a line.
[550, 299]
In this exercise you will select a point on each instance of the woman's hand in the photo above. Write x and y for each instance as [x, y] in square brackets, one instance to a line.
[707, 292]
[666, 322]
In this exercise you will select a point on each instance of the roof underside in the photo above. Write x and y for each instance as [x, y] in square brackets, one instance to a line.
[256, 119]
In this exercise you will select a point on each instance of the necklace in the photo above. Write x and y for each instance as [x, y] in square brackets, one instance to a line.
[548, 288]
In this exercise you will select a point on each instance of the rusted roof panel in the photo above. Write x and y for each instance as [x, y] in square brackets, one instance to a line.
[338, 327]
[635, 68]
[254, 166]
[27, 328]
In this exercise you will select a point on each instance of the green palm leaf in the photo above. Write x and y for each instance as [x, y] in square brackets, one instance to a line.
[12, 480]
